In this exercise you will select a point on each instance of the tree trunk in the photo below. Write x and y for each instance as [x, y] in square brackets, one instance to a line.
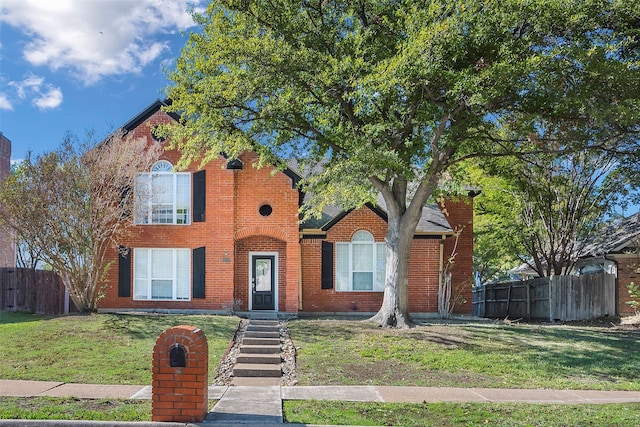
[394, 311]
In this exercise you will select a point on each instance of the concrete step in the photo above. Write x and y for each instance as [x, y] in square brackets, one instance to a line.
[260, 341]
[265, 359]
[258, 322]
[261, 334]
[263, 328]
[260, 349]
[263, 315]
[256, 370]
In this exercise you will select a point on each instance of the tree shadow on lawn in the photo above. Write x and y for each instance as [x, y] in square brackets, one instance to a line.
[150, 326]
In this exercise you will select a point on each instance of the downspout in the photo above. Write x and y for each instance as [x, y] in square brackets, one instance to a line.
[300, 275]
[440, 271]
[617, 293]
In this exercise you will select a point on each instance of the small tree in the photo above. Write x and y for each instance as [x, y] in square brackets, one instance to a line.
[74, 204]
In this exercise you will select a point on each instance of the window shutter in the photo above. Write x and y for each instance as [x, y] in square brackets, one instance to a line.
[198, 272]
[124, 272]
[199, 198]
[327, 265]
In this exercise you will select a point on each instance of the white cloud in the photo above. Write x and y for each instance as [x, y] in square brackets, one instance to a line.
[30, 84]
[97, 38]
[42, 94]
[51, 99]
[5, 104]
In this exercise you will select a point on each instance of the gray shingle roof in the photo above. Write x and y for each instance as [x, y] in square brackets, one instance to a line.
[616, 237]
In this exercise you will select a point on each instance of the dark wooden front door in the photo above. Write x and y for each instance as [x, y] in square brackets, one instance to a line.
[263, 282]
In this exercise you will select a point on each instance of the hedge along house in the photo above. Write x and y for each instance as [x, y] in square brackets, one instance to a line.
[228, 237]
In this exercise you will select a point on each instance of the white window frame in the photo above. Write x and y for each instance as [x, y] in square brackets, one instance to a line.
[344, 269]
[143, 274]
[144, 200]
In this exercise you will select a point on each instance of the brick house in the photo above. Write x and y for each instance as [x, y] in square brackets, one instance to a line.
[614, 250]
[228, 237]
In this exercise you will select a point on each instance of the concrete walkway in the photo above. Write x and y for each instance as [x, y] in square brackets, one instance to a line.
[262, 405]
[344, 393]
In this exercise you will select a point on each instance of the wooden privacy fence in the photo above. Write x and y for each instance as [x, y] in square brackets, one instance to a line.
[34, 291]
[561, 298]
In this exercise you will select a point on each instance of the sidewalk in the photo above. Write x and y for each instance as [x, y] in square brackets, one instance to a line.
[343, 393]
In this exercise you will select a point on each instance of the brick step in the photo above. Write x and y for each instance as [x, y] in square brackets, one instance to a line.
[261, 334]
[260, 349]
[256, 370]
[260, 341]
[253, 358]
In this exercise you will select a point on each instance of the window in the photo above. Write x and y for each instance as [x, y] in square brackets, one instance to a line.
[162, 274]
[162, 196]
[360, 265]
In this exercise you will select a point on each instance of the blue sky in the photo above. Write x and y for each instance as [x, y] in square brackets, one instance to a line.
[81, 65]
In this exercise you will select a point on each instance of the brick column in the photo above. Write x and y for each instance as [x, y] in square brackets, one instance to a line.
[180, 390]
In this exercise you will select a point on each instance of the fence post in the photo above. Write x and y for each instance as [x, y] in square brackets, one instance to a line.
[551, 300]
[528, 301]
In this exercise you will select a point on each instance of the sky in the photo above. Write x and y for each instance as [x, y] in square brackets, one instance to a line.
[75, 66]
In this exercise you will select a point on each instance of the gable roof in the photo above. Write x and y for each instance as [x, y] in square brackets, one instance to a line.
[148, 112]
[432, 220]
[614, 238]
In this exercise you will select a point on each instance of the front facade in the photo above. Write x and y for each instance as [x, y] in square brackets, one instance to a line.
[227, 237]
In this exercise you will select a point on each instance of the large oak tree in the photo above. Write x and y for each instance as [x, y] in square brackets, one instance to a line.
[389, 94]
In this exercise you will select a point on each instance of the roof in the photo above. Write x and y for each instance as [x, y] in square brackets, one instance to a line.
[432, 221]
[148, 112]
[615, 238]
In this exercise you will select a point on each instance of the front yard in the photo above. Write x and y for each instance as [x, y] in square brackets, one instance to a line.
[116, 349]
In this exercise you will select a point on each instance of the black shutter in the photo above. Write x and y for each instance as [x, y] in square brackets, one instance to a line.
[199, 197]
[198, 272]
[124, 272]
[327, 265]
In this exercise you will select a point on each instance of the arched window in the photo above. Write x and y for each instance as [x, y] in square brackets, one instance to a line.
[360, 264]
[163, 196]
[162, 166]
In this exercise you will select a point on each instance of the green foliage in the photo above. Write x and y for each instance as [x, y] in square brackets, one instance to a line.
[386, 96]
[634, 294]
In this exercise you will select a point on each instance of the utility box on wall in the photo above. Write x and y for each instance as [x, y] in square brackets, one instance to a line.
[180, 375]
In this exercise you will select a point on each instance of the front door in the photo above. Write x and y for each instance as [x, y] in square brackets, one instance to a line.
[263, 282]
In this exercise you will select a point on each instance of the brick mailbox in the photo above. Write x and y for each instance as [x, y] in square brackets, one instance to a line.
[180, 374]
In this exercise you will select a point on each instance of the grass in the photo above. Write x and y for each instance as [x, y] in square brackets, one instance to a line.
[96, 349]
[459, 414]
[471, 354]
[55, 408]
[116, 349]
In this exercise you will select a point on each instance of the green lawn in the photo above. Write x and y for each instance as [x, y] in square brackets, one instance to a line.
[98, 348]
[468, 354]
[116, 349]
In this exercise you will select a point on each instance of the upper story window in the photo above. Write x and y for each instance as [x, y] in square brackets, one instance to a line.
[163, 196]
[360, 264]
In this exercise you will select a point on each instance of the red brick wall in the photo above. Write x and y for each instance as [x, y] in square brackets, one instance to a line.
[233, 200]
[628, 271]
[459, 213]
[7, 245]
[180, 394]
[423, 271]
